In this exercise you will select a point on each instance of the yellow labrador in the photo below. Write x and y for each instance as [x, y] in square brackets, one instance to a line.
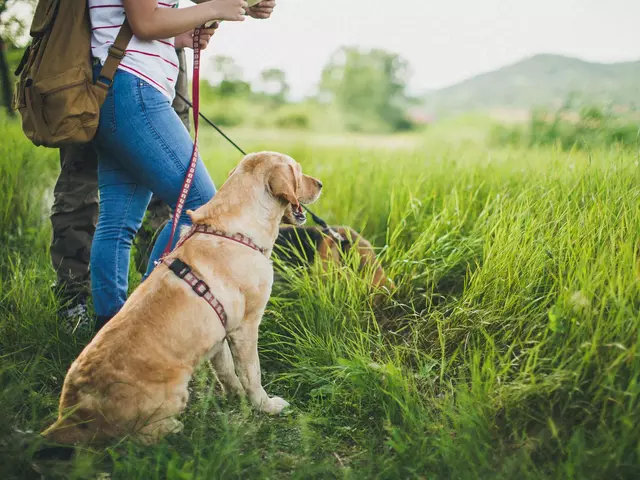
[132, 378]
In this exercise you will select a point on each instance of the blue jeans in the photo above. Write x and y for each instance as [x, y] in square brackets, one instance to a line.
[142, 147]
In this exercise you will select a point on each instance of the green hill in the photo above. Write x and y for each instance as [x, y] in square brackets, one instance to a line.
[542, 80]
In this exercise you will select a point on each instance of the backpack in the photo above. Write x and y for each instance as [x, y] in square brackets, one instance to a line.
[55, 93]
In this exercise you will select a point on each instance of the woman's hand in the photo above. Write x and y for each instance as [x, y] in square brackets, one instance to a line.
[233, 10]
[186, 39]
[262, 10]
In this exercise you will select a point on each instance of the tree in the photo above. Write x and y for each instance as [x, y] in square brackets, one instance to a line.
[13, 15]
[274, 84]
[368, 85]
[225, 69]
[227, 77]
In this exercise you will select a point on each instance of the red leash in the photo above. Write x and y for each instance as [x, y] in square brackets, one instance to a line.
[188, 179]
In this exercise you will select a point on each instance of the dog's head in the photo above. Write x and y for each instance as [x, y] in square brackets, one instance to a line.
[283, 181]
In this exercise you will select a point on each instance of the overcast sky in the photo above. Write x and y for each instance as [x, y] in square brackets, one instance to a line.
[445, 41]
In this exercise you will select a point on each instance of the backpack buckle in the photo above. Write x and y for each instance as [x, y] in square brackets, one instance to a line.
[104, 82]
[116, 52]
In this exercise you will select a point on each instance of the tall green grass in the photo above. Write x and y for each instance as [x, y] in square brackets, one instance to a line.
[25, 185]
[509, 348]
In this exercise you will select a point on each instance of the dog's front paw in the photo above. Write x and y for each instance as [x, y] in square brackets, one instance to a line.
[274, 405]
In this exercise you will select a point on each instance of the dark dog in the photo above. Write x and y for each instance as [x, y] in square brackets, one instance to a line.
[299, 246]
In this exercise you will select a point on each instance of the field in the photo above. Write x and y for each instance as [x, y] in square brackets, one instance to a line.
[510, 348]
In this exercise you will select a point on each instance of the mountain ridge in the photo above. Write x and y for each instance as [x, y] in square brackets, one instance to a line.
[543, 80]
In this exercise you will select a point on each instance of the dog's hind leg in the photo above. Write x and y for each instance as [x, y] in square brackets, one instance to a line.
[244, 347]
[224, 369]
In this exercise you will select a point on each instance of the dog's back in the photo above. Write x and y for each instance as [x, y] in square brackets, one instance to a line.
[299, 246]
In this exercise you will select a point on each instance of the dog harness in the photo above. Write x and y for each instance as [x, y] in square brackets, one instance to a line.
[236, 237]
[199, 286]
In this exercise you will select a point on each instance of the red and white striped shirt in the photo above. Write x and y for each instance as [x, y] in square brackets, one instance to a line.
[154, 61]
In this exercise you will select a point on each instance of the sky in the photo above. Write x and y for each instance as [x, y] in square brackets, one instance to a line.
[444, 41]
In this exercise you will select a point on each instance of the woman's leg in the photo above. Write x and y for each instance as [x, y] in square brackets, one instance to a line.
[122, 206]
[151, 143]
[161, 117]
[195, 199]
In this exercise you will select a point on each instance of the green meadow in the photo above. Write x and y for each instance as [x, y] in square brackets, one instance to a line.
[509, 348]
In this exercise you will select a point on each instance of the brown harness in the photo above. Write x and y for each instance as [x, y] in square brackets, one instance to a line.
[199, 286]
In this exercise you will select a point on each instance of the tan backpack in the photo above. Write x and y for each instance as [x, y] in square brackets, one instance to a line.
[55, 94]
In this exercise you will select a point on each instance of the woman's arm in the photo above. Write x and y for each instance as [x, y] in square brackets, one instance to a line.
[149, 22]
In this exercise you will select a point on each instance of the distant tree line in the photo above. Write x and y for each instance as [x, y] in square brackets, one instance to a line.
[366, 88]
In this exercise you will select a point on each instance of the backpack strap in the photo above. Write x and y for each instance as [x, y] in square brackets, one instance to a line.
[116, 54]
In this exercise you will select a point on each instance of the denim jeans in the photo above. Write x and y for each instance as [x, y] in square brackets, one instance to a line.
[142, 147]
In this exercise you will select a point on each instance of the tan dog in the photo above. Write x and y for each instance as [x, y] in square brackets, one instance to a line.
[132, 378]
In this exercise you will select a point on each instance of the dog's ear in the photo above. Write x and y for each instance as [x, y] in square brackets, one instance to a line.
[231, 171]
[283, 183]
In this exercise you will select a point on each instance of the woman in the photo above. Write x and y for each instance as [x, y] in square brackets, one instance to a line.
[142, 145]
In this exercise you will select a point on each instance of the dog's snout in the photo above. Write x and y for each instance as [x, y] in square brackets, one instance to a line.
[319, 183]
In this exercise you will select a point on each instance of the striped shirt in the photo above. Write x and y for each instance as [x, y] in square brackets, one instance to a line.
[154, 61]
